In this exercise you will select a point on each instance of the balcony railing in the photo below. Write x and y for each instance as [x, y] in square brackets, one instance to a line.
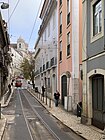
[40, 69]
[47, 65]
[44, 67]
[37, 72]
[53, 61]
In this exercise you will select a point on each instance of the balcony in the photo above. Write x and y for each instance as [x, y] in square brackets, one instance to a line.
[37, 72]
[44, 67]
[40, 69]
[53, 62]
[47, 65]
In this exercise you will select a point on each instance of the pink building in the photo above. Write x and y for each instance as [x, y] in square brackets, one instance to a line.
[70, 52]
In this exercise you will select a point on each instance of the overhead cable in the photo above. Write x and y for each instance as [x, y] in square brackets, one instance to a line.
[34, 22]
[13, 10]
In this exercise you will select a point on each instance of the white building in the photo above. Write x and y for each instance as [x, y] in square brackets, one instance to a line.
[17, 58]
[46, 48]
[22, 46]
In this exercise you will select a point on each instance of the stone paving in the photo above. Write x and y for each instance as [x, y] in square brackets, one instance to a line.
[70, 120]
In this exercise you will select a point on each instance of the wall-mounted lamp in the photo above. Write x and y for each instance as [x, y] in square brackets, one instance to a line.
[4, 5]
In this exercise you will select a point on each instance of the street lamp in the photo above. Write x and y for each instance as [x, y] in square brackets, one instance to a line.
[4, 5]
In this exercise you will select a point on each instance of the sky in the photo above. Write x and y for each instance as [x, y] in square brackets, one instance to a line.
[23, 20]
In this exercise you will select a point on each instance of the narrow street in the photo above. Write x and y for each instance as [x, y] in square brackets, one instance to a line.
[27, 119]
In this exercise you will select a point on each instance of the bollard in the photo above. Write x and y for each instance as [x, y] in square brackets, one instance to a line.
[41, 97]
[46, 99]
[50, 102]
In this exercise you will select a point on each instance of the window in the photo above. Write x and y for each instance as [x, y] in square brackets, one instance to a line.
[68, 44]
[68, 12]
[60, 2]
[19, 45]
[48, 82]
[49, 29]
[97, 17]
[60, 55]
[54, 20]
[45, 35]
[60, 22]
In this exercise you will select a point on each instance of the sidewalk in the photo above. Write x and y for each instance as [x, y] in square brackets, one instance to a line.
[70, 120]
[67, 118]
[3, 120]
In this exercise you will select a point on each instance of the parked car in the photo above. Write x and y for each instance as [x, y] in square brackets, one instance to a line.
[18, 83]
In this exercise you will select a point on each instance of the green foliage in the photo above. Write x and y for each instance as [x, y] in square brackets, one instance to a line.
[28, 69]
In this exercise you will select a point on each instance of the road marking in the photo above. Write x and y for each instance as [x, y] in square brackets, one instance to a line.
[25, 117]
[45, 124]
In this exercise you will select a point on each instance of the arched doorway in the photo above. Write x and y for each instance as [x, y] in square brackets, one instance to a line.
[63, 87]
[98, 100]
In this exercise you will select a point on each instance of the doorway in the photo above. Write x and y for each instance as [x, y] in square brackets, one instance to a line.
[63, 87]
[98, 100]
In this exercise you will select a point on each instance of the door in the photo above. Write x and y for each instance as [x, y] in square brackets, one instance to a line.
[63, 87]
[97, 100]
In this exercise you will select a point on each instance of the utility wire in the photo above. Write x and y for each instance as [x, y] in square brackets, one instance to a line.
[13, 10]
[34, 22]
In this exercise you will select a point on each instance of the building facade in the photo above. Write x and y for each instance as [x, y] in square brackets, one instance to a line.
[19, 51]
[94, 63]
[17, 59]
[22, 46]
[70, 52]
[5, 58]
[46, 48]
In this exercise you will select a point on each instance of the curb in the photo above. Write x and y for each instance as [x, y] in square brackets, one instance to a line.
[8, 100]
[4, 122]
[55, 116]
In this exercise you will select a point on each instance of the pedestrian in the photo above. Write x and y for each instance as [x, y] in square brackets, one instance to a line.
[56, 97]
[43, 90]
[9, 87]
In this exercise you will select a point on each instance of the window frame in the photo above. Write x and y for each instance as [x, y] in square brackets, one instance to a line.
[60, 50]
[68, 43]
[60, 2]
[100, 34]
[68, 12]
[60, 23]
[96, 18]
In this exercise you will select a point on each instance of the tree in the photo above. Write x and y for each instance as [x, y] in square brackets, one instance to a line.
[28, 69]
